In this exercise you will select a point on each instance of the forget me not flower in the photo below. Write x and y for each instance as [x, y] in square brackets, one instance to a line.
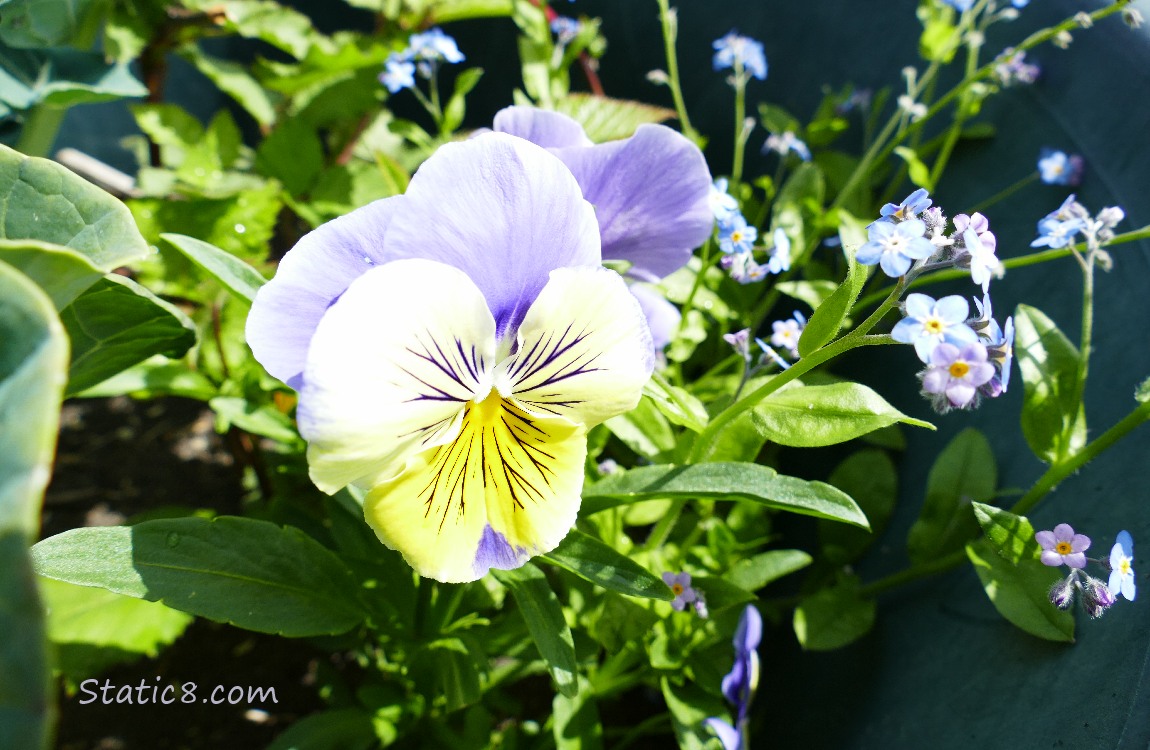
[1122, 566]
[929, 323]
[1054, 232]
[1059, 168]
[983, 262]
[680, 584]
[895, 246]
[743, 50]
[780, 259]
[398, 74]
[911, 206]
[957, 373]
[742, 267]
[785, 143]
[1063, 547]
[433, 44]
[441, 343]
[736, 236]
[786, 333]
[723, 204]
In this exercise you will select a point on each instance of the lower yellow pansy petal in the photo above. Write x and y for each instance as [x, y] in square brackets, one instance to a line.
[390, 370]
[505, 489]
[584, 349]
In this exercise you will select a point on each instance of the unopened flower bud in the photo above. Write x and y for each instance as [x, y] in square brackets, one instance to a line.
[1062, 592]
[1110, 216]
[658, 77]
[1102, 258]
[1062, 39]
[1096, 597]
[1009, 14]
[740, 341]
[1132, 17]
[1083, 19]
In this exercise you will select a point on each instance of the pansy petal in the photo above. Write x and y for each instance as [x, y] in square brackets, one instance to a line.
[651, 197]
[520, 206]
[727, 734]
[390, 369]
[541, 127]
[663, 318]
[310, 278]
[584, 349]
[505, 489]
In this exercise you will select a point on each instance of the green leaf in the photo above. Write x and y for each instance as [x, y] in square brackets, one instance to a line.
[338, 729]
[798, 208]
[33, 358]
[239, 277]
[253, 574]
[870, 478]
[829, 317]
[817, 415]
[84, 217]
[448, 667]
[604, 566]
[753, 573]
[118, 323]
[1053, 422]
[719, 593]
[918, 172]
[644, 429]
[279, 26]
[1019, 591]
[62, 273]
[263, 420]
[833, 618]
[962, 474]
[813, 293]
[576, 719]
[155, 377]
[456, 107]
[940, 39]
[62, 78]
[234, 80]
[607, 119]
[443, 11]
[725, 481]
[676, 404]
[689, 706]
[544, 617]
[293, 154]
[776, 119]
[42, 23]
[1012, 536]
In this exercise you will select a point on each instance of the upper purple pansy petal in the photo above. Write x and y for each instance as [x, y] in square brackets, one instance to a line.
[541, 127]
[662, 317]
[651, 196]
[310, 278]
[523, 207]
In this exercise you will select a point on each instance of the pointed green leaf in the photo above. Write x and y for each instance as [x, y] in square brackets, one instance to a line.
[828, 317]
[576, 719]
[234, 80]
[833, 618]
[755, 572]
[239, 277]
[42, 23]
[817, 415]
[727, 481]
[544, 617]
[1053, 423]
[253, 574]
[1012, 536]
[1020, 592]
[603, 565]
[118, 323]
[962, 474]
[456, 108]
[62, 273]
[870, 478]
[63, 78]
[84, 217]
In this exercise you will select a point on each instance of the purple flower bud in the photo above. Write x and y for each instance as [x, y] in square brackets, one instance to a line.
[1096, 597]
[1062, 592]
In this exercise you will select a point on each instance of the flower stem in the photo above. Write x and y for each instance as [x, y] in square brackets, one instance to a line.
[742, 132]
[41, 125]
[670, 34]
[1005, 192]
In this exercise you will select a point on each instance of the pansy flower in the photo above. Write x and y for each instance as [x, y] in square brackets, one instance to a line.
[451, 347]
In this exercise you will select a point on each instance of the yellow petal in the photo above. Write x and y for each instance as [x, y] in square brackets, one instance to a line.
[584, 349]
[505, 489]
[390, 370]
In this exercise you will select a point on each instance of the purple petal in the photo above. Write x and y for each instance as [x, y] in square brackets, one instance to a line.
[1051, 558]
[543, 128]
[1075, 560]
[1080, 543]
[1064, 532]
[504, 211]
[651, 197]
[679, 603]
[310, 278]
[960, 393]
[662, 316]
[726, 733]
[750, 630]
[935, 380]
[1046, 539]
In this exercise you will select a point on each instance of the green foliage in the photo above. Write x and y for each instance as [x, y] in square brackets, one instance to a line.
[44, 23]
[237, 276]
[1053, 420]
[253, 574]
[601, 564]
[817, 415]
[870, 478]
[607, 119]
[543, 614]
[831, 314]
[1019, 592]
[834, 617]
[62, 78]
[964, 473]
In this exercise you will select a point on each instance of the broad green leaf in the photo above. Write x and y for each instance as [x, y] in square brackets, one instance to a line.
[456, 108]
[62, 77]
[1020, 592]
[241, 224]
[870, 478]
[278, 25]
[234, 80]
[118, 323]
[576, 719]
[621, 622]
[606, 119]
[84, 217]
[1053, 423]
[543, 614]
[33, 358]
[62, 273]
[833, 618]
[962, 474]
[82, 614]
[442, 11]
[293, 154]
[239, 277]
[253, 574]
[725, 481]
[448, 667]
[1012, 536]
[940, 37]
[798, 207]
[719, 593]
[755, 572]
[776, 119]
[603, 565]
[829, 317]
[157, 376]
[644, 429]
[43, 23]
[263, 420]
[338, 729]
[677, 405]
[817, 415]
